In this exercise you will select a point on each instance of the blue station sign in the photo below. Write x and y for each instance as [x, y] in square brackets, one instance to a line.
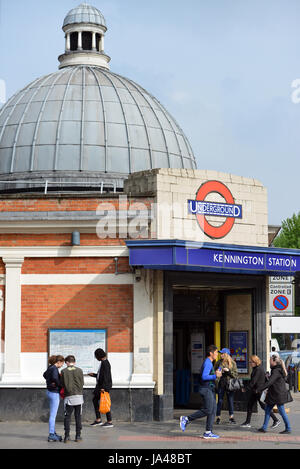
[218, 209]
[182, 255]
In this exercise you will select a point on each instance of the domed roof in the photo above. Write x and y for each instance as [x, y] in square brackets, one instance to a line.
[84, 13]
[84, 122]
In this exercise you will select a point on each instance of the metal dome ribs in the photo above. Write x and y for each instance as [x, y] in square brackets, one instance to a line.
[84, 124]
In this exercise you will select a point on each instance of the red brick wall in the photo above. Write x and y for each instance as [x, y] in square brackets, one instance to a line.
[55, 239]
[72, 306]
[77, 306]
[74, 265]
[66, 204]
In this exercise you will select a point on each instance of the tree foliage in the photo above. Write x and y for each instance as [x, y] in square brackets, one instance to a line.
[289, 236]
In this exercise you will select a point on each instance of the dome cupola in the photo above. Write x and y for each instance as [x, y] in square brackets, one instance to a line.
[84, 28]
[84, 126]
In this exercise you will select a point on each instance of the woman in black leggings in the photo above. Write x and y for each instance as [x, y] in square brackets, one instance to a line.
[257, 380]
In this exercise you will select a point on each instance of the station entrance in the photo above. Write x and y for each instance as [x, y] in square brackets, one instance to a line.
[202, 316]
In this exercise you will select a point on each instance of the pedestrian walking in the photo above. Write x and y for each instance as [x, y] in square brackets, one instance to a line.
[72, 381]
[257, 380]
[229, 370]
[53, 383]
[277, 393]
[103, 384]
[207, 390]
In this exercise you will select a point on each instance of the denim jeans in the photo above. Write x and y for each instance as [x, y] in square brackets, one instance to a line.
[281, 410]
[209, 408]
[54, 404]
[230, 395]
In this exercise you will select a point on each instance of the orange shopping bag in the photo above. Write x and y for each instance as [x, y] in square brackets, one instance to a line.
[105, 403]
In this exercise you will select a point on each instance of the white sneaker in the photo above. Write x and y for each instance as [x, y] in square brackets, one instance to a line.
[245, 425]
[210, 436]
[96, 424]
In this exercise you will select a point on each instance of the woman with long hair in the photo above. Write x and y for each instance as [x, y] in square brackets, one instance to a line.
[257, 380]
[52, 378]
[229, 370]
[277, 393]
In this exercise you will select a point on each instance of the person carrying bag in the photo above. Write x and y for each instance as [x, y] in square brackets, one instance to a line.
[103, 386]
[277, 394]
[228, 383]
[257, 380]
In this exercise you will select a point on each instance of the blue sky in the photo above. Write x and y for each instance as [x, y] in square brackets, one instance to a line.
[223, 68]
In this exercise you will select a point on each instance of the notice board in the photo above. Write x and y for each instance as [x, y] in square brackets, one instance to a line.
[81, 343]
[238, 344]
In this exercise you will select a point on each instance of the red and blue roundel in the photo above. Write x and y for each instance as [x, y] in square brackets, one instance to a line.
[202, 208]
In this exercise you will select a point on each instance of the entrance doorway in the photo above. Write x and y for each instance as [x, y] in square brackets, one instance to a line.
[240, 306]
[198, 322]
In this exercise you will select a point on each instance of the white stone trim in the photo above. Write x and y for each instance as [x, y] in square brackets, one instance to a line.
[77, 279]
[12, 342]
[64, 251]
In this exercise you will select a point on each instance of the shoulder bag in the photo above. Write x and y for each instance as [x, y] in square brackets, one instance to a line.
[234, 384]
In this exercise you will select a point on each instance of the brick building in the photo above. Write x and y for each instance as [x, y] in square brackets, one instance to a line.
[96, 238]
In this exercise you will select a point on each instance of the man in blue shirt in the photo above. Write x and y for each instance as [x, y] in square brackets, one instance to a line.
[208, 392]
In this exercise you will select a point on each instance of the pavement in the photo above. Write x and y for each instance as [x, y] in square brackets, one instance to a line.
[150, 439]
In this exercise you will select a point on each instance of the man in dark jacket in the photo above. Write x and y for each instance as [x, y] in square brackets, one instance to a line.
[103, 384]
[72, 381]
[277, 393]
[257, 381]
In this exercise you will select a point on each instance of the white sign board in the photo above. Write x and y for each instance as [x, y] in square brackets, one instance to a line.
[286, 325]
[81, 343]
[281, 296]
[197, 351]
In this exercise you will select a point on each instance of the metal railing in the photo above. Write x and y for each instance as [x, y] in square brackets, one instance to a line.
[46, 183]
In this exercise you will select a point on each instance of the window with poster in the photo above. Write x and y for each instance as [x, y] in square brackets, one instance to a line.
[238, 345]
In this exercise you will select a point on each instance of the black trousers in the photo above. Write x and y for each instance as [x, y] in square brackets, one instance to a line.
[96, 403]
[256, 398]
[67, 420]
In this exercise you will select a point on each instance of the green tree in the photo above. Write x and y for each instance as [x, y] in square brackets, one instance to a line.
[289, 236]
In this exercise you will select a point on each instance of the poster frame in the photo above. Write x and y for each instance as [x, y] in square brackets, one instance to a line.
[74, 329]
[246, 341]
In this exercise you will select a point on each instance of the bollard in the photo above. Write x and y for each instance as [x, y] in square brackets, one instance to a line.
[298, 380]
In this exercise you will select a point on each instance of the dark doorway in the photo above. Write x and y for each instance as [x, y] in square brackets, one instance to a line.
[195, 314]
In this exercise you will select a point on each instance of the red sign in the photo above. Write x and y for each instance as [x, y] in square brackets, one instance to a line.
[280, 302]
[215, 232]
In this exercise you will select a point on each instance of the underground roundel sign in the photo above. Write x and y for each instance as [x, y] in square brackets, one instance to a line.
[202, 208]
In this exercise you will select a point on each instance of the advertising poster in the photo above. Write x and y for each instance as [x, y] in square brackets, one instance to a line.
[238, 345]
[197, 351]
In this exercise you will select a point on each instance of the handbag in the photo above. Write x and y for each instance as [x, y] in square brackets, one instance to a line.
[263, 396]
[105, 403]
[289, 396]
[234, 384]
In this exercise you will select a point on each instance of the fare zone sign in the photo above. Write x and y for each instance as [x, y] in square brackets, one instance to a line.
[281, 296]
